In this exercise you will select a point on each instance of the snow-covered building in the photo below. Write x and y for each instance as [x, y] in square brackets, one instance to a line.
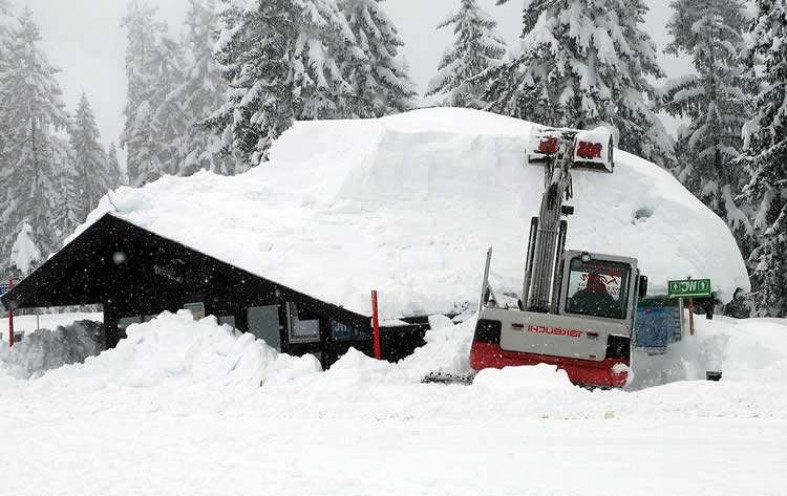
[406, 205]
[135, 274]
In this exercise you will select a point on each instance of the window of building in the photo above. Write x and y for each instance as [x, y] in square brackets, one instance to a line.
[302, 331]
[343, 332]
[264, 324]
[197, 309]
[124, 322]
[227, 319]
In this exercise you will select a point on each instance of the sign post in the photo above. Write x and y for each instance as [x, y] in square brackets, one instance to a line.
[689, 289]
[4, 289]
[376, 326]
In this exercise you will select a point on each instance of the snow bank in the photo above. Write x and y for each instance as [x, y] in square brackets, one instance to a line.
[174, 362]
[44, 350]
[756, 350]
[174, 351]
[408, 205]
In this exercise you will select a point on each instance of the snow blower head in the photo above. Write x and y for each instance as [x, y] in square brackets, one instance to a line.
[592, 150]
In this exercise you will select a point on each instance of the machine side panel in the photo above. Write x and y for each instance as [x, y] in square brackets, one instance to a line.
[555, 335]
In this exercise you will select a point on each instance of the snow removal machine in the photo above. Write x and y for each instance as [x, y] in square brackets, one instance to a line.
[577, 309]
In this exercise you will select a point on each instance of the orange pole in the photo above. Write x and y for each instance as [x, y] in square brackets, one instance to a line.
[376, 326]
[10, 316]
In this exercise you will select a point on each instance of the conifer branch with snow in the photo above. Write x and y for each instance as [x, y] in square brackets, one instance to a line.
[715, 100]
[766, 157]
[476, 49]
[584, 64]
[379, 82]
[32, 110]
[283, 61]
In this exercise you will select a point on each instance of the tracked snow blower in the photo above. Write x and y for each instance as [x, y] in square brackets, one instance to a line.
[577, 309]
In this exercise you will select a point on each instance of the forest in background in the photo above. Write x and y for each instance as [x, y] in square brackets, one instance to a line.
[216, 92]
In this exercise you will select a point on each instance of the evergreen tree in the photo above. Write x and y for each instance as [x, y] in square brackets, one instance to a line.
[68, 206]
[715, 101]
[282, 62]
[7, 23]
[141, 133]
[114, 172]
[31, 101]
[766, 158]
[93, 178]
[170, 119]
[585, 63]
[6, 27]
[380, 83]
[202, 92]
[476, 49]
[25, 254]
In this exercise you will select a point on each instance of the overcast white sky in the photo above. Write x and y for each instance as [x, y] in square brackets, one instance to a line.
[84, 39]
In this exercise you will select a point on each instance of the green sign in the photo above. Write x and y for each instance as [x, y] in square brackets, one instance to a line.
[689, 288]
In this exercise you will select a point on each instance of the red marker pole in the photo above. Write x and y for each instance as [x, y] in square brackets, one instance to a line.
[10, 316]
[376, 326]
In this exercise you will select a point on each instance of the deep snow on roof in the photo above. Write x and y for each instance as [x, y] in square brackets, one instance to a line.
[409, 204]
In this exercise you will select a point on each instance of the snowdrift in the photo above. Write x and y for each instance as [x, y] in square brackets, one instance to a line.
[408, 205]
[46, 349]
[174, 351]
[178, 409]
[176, 362]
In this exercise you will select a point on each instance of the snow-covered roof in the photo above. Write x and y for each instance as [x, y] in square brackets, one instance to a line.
[409, 204]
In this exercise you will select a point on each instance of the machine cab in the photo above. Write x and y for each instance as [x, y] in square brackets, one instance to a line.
[599, 287]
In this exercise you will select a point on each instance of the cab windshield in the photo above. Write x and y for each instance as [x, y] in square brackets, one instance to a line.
[598, 288]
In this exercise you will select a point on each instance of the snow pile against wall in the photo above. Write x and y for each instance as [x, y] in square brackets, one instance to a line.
[409, 204]
[174, 362]
[173, 350]
[44, 350]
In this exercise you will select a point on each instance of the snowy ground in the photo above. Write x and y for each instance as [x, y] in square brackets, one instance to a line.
[178, 409]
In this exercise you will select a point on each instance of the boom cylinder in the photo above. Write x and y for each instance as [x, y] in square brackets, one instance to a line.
[540, 287]
[531, 252]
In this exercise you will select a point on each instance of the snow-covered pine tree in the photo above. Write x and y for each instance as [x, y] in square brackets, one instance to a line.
[476, 49]
[585, 63]
[6, 27]
[202, 92]
[114, 172]
[766, 158]
[170, 119]
[7, 23]
[714, 99]
[92, 176]
[281, 60]
[140, 133]
[380, 83]
[31, 101]
[68, 206]
[25, 255]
